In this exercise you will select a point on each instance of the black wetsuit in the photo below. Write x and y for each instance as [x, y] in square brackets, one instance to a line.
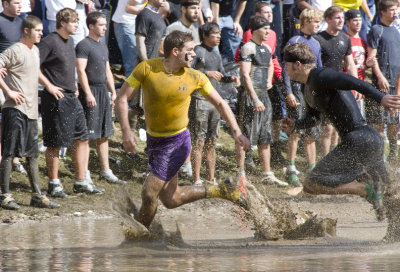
[361, 148]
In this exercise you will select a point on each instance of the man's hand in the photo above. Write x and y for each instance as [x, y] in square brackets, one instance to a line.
[128, 142]
[17, 97]
[57, 92]
[242, 141]
[236, 80]
[287, 125]
[238, 29]
[215, 75]
[391, 103]
[90, 100]
[259, 106]
[357, 96]
[113, 98]
[3, 72]
[291, 100]
[383, 84]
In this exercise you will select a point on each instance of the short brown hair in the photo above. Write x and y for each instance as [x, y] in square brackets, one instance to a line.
[383, 5]
[332, 11]
[30, 22]
[259, 5]
[92, 18]
[66, 15]
[176, 39]
[310, 14]
[299, 52]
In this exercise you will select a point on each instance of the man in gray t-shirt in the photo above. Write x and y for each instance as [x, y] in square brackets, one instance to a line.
[190, 10]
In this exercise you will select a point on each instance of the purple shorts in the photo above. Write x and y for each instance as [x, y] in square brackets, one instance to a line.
[167, 154]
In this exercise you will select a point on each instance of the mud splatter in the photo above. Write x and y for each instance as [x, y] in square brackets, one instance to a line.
[391, 200]
[273, 221]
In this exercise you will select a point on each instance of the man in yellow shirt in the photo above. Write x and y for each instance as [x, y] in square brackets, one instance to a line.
[167, 86]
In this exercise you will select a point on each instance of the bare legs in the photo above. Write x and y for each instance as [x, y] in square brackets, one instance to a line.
[170, 194]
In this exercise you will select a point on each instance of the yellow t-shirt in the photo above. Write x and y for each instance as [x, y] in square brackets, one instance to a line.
[167, 96]
[348, 4]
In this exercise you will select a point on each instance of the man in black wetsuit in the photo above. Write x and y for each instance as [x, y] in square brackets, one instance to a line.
[359, 156]
[335, 49]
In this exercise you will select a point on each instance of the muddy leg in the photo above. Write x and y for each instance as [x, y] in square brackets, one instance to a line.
[351, 188]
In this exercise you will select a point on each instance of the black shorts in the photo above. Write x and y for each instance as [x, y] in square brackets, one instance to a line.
[300, 111]
[99, 118]
[63, 120]
[257, 126]
[359, 152]
[19, 135]
[203, 121]
[277, 103]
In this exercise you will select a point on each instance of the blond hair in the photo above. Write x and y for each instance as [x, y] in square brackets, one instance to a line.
[309, 15]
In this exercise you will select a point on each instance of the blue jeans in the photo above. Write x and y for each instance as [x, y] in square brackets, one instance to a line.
[125, 35]
[229, 40]
[277, 27]
[366, 23]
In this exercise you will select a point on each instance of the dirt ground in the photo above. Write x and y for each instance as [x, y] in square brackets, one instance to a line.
[355, 217]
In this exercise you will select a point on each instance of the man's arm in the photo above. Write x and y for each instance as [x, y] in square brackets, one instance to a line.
[303, 4]
[239, 12]
[270, 74]
[14, 95]
[227, 114]
[350, 66]
[245, 68]
[81, 65]
[383, 84]
[141, 47]
[57, 92]
[124, 95]
[215, 11]
[110, 83]
[132, 7]
[161, 49]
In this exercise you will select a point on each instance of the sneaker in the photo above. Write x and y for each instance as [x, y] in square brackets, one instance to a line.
[55, 189]
[374, 196]
[186, 170]
[293, 179]
[199, 182]
[41, 201]
[269, 177]
[110, 177]
[8, 202]
[249, 163]
[234, 192]
[84, 186]
[18, 167]
[88, 178]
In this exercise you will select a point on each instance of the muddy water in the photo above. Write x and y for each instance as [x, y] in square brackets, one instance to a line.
[215, 239]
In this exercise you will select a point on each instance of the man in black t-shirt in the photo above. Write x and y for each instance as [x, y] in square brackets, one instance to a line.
[383, 42]
[150, 27]
[335, 48]
[64, 121]
[96, 81]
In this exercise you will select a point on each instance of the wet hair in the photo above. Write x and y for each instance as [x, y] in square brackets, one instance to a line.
[257, 22]
[30, 22]
[259, 6]
[331, 11]
[176, 39]
[383, 5]
[300, 52]
[66, 15]
[206, 29]
[309, 15]
[92, 18]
